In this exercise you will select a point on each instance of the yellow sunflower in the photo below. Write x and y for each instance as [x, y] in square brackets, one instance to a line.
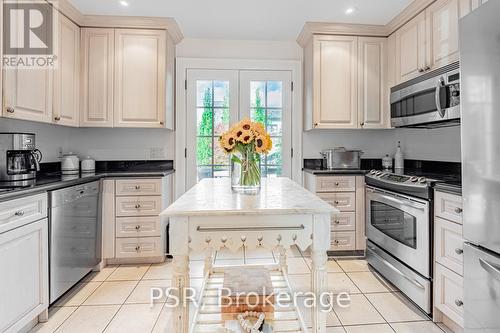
[227, 142]
[245, 124]
[246, 137]
[258, 128]
[261, 144]
[269, 143]
[237, 132]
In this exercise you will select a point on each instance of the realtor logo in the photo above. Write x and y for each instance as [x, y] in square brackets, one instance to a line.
[29, 34]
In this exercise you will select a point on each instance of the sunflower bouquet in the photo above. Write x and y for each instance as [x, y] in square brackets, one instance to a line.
[246, 141]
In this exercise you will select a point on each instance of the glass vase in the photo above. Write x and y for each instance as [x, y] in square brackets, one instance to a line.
[245, 172]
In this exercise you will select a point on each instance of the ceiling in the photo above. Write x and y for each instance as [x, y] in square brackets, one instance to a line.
[243, 19]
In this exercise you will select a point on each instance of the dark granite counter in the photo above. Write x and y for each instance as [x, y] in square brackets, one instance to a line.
[345, 172]
[51, 179]
[448, 188]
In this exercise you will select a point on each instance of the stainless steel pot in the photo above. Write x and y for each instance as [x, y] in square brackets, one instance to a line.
[340, 158]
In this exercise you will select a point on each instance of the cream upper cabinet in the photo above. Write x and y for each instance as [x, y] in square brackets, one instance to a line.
[335, 82]
[97, 77]
[391, 62]
[411, 49]
[66, 83]
[139, 85]
[372, 76]
[442, 33]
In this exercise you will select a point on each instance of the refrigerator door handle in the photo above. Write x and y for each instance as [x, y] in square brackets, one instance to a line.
[490, 268]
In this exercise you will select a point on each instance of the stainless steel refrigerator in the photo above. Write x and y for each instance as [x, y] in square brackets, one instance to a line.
[480, 94]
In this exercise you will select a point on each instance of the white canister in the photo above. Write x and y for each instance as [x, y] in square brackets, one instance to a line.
[88, 164]
[70, 164]
[387, 162]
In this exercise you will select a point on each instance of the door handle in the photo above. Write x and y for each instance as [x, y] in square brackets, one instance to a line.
[490, 268]
[439, 86]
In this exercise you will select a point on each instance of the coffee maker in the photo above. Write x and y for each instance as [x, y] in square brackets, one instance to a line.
[19, 159]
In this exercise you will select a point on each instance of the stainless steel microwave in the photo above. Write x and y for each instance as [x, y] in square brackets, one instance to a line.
[431, 100]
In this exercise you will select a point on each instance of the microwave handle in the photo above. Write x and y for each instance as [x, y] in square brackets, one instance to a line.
[439, 85]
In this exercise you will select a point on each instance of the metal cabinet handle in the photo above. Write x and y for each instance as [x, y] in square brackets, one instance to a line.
[337, 184]
[362, 124]
[336, 202]
[137, 206]
[137, 227]
[162, 123]
[337, 221]
[10, 109]
[316, 124]
[459, 251]
[336, 242]
[458, 210]
[458, 302]
[427, 68]
[421, 70]
[137, 187]
[138, 248]
[57, 118]
[19, 213]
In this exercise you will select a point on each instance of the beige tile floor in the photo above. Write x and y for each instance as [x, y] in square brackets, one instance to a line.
[117, 299]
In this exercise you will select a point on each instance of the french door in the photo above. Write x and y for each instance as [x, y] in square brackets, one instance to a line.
[216, 99]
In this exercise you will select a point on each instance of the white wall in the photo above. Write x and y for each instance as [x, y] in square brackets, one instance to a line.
[100, 143]
[424, 144]
[238, 49]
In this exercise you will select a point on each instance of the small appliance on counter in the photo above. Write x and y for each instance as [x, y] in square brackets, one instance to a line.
[88, 165]
[340, 158]
[387, 162]
[19, 159]
[70, 164]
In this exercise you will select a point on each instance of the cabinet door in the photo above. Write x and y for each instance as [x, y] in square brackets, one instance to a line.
[24, 279]
[442, 33]
[335, 82]
[391, 64]
[465, 7]
[411, 48]
[373, 111]
[139, 96]
[66, 83]
[97, 77]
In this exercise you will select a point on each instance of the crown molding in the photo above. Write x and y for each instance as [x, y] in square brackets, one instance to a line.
[112, 21]
[325, 28]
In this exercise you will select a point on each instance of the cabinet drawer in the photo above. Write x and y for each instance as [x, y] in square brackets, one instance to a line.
[138, 206]
[344, 222]
[448, 206]
[449, 245]
[449, 294]
[139, 247]
[345, 202]
[138, 226]
[18, 212]
[343, 241]
[335, 184]
[138, 187]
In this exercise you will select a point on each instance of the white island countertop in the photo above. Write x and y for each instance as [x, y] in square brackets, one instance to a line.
[213, 196]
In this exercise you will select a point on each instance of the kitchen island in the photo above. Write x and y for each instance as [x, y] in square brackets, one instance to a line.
[210, 217]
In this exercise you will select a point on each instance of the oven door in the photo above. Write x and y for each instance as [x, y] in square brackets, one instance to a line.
[400, 225]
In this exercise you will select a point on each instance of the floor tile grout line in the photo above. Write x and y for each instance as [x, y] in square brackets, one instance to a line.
[159, 315]
[58, 326]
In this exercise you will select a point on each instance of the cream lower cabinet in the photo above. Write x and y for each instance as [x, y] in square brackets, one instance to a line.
[345, 82]
[133, 231]
[24, 279]
[346, 193]
[448, 261]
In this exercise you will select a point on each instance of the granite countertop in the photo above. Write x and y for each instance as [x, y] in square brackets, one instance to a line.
[448, 188]
[213, 197]
[55, 180]
[317, 171]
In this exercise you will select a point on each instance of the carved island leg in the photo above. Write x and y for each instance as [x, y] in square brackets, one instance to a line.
[282, 259]
[321, 244]
[180, 276]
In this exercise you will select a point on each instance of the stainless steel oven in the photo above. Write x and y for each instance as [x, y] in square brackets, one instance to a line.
[431, 100]
[400, 225]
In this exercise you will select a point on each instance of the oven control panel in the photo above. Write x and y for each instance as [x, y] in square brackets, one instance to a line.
[393, 178]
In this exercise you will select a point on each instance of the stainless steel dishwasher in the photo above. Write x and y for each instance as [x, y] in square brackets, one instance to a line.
[74, 235]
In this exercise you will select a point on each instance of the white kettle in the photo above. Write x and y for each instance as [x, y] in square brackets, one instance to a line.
[70, 164]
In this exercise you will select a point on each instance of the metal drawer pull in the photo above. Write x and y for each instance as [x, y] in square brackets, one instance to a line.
[10, 109]
[490, 268]
[337, 184]
[459, 251]
[217, 229]
[137, 187]
[19, 213]
[458, 302]
[336, 202]
[137, 227]
[458, 210]
[336, 242]
[392, 267]
[138, 248]
[137, 206]
[337, 221]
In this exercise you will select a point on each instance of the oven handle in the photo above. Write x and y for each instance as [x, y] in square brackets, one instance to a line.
[404, 202]
[393, 268]
[439, 86]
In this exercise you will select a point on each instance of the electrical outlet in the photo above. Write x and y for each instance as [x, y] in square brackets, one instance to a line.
[157, 152]
[59, 152]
